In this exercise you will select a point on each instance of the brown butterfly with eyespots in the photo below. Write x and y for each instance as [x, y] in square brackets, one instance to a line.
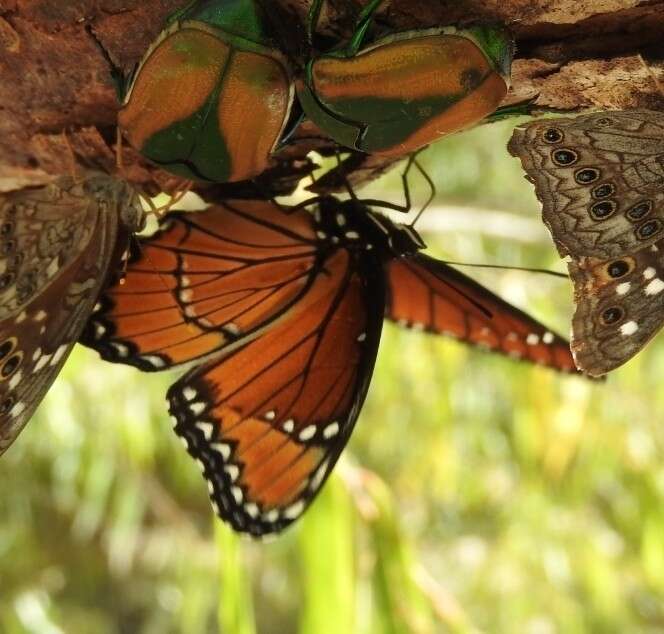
[57, 243]
[279, 316]
[600, 178]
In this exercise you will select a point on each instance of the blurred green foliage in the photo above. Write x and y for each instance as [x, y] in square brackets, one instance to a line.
[477, 494]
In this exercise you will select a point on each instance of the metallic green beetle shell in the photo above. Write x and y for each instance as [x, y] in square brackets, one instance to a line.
[407, 90]
[207, 104]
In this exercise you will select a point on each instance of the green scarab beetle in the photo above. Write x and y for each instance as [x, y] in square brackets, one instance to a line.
[406, 90]
[212, 97]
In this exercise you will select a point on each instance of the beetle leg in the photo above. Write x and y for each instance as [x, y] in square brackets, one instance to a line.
[432, 187]
[407, 206]
[363, 23]
[312, 19]
[521, 108]
[176, 15]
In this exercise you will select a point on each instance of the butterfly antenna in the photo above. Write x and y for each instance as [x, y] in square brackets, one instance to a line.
[508, 268]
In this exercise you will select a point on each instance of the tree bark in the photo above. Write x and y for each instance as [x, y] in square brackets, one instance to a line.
[58, 104]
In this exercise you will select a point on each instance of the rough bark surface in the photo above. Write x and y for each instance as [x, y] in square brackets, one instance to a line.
[58, 103]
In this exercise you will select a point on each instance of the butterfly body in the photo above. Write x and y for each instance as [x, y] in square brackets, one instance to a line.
[56, 244]
[600, 178]
[278, 317]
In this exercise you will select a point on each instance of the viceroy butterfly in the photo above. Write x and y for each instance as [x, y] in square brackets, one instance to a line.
[280, 316]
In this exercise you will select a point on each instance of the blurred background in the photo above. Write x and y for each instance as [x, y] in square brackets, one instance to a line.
[477, 494]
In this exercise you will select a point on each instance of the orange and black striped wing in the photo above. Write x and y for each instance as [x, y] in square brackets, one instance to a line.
[425, 294]
[203, 282]
[268, 422]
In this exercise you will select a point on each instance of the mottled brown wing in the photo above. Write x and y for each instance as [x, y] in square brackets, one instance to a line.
[425, 294]
[620, 307]
[600, 178]
[55, 250]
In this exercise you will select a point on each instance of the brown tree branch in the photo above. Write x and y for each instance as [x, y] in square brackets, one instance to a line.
[58, 103]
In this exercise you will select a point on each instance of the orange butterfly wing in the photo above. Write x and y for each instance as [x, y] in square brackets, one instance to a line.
[268, 422]
[429, 295]
[204, 281]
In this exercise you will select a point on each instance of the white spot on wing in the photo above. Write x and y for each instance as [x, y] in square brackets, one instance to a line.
[15, 380]
[59, 353]
[232, 471]
[197, 408]
[318, 477]
[623, 289]
[270, 415]
[223, 449]
[629, 328]
[548, 338]
[18, 409]
[36, 354]
[43, 360]
[294, 510]
[331, 430]
[189, 393]
[649, 273]
[154, 361]
[655, 287]
[532, 339]
[21, 317]
[121, 349]
[40, 316]
[251, 510]
[206, 428]
[237, 494]
[307, 433]
[289, 426]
